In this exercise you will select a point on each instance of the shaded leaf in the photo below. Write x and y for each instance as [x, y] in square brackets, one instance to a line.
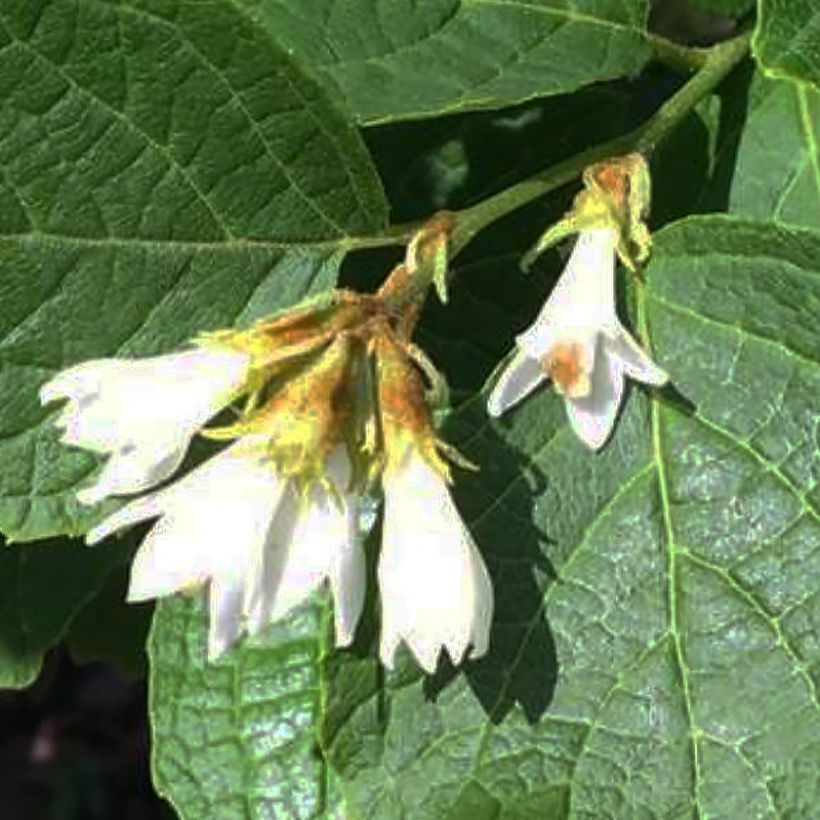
[787, 39]
[777, 170]
[751, 149]
[732, 8]
[110, 630]
[42, 587]
[390, 59]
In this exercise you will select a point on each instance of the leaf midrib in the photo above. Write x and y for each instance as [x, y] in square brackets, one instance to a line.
[232, 244]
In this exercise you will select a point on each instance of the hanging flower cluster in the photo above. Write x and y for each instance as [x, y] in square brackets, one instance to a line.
[335, 408]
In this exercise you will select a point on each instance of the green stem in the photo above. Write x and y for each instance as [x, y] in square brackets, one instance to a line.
[678, 57]
[719, 61]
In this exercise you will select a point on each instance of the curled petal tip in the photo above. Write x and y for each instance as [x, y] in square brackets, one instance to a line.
[495, 408]
[137, 593]
[48, 393]
[216, 650]
[95, 535]
[343, 637]
[387, 649]
[90, 496]
[518, 379]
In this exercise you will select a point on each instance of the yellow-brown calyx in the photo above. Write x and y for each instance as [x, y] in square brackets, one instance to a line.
[404, 417]
[616, 195]
[341, 371]
[278, 343]
[425, 264]
[308, 414]
[565, 363]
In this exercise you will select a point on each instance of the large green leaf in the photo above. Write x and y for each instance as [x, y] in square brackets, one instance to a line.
[787, 40]
[237, 738]
[42, 586]
[390, 59]
[166, 170]
[751, 149]
[654, 651]
[777, 167]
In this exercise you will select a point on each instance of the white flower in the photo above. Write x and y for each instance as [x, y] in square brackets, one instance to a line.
[578, 342]
[143, 412]
[235, 523]
[435, 590]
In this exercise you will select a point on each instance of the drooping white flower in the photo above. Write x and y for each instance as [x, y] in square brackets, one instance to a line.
[142, 412]
[579, 343]
[435, 590]
[237, 525]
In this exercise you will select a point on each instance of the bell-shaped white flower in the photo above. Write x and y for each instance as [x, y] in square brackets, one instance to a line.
[579, 343]
[143, 412]
[435, 590]
[260, 545]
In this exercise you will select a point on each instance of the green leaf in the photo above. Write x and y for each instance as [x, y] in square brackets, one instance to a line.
[110, 630]
[166, 170]
[236, 738]
[392, 60]
[787, 39]
[751, 149]
[42, 586]
[654, 651]
[777, 167]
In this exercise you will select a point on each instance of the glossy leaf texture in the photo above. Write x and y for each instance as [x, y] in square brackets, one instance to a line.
[392, 59]
[167, 170]
[787, 39]
[654, 651]
[236, 738]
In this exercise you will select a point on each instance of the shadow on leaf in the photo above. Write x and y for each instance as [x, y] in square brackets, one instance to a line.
[521, 666]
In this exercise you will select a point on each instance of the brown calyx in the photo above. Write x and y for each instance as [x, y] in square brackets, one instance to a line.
[404, 415]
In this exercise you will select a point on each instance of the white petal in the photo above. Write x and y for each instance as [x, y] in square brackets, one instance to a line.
[634, 360]
[593, 416]
[265, 578]
[80, 381]
[143, 412]
[211, 526]
[140, 509]
[215, 527]
[225, 597]
[435, 589]
[583, 297]
[133, 471]
[518, 379]
[348, 578]
[312, 539]
[308, 553]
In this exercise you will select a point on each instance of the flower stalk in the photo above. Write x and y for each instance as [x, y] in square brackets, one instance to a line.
[717, 63]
